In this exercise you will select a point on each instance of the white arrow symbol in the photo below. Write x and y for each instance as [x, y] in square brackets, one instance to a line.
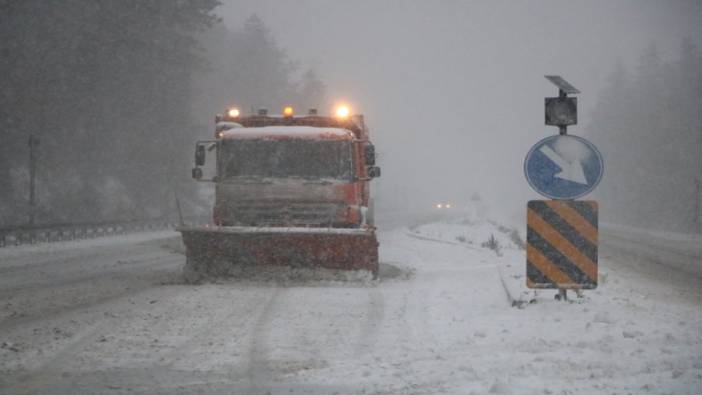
[570, 171]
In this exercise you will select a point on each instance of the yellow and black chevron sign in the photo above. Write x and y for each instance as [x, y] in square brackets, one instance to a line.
[562, 244]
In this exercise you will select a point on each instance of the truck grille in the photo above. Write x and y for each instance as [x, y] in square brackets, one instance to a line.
[277, 213]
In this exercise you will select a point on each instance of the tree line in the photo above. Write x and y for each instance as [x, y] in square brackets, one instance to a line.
[116, 92]
[648, 125]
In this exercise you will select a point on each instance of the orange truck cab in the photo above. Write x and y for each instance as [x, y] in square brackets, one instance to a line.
[291, 171]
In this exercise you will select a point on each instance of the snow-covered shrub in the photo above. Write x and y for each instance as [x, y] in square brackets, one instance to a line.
[493, 244]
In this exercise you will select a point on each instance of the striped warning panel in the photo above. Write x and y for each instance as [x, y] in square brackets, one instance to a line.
[562, 244]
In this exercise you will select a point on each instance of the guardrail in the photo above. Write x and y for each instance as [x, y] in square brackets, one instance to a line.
[24, 234]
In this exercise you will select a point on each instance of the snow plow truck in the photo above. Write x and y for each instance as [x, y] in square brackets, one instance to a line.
[292, 195]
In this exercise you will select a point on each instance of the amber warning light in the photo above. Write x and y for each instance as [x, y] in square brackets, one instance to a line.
[342, 111]
[233, 112]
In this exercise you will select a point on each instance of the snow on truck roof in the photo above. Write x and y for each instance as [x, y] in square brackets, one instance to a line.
[287, 132]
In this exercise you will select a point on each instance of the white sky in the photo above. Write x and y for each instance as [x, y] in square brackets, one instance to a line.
[453, 90]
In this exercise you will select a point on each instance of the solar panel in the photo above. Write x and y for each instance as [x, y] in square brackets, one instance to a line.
[562, 84]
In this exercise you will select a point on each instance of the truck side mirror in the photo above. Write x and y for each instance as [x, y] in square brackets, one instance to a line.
[369, 155]
[197, 173]
[374, 172]
[199, 155]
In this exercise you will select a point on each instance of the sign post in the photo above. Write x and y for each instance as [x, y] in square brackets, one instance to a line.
[562, 233]
[33, 144]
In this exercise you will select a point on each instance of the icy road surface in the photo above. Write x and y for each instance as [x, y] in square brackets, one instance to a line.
[111, 316]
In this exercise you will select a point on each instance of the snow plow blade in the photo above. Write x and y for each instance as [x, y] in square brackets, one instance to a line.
[218, 252]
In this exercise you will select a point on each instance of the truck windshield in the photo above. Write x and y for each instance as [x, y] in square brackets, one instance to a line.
[309, 159]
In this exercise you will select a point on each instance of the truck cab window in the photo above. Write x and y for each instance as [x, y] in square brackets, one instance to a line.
[306, 159]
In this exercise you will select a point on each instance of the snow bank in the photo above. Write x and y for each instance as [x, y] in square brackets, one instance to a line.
[47, 248]
[471, 232]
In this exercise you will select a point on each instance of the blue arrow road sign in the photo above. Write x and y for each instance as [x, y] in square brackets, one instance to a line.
[563, 167]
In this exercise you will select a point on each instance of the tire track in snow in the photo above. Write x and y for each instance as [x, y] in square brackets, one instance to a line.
[50, 313]
[261, 373]
[410, 321]
[206, 328]
[434, 240]
[375, 313]
[511, 299]
[41, 377]
[258, 372]
[423, 339]
[76, 277]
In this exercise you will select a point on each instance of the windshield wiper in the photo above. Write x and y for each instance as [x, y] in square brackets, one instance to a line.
[250, 180]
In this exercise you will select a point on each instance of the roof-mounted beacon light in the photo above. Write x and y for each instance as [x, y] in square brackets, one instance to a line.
[342, 111]
[288, 111]
[233, 112]
[263, 112]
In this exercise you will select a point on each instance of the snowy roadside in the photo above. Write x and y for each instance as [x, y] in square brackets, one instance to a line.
[691, 239]
[635, 333]
[6, 253]
[114, 319]
[503, 245]
[677, 251]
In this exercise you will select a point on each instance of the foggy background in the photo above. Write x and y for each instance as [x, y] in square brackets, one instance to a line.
[452, 92]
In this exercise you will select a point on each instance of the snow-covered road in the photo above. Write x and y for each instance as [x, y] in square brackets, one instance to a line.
[112, 316]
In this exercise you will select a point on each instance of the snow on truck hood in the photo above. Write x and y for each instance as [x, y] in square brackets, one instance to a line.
[293, 132]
